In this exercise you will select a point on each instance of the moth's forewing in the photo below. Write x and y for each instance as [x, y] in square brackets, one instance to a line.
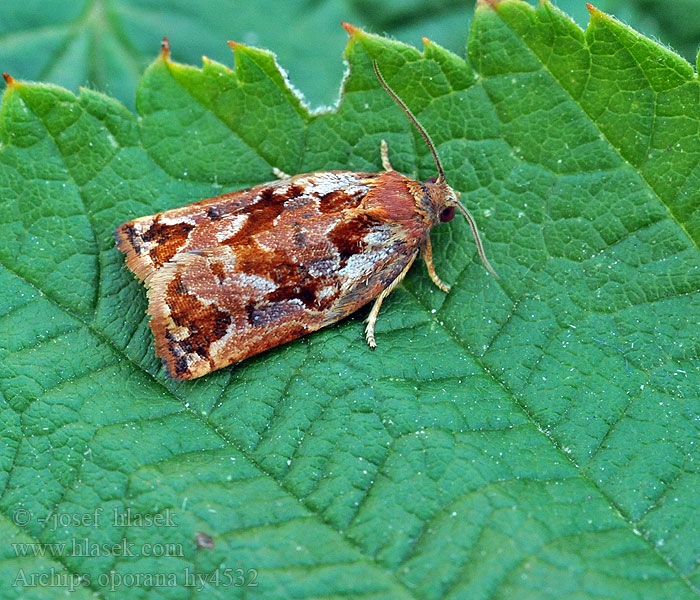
[150, 242]
[235, 275]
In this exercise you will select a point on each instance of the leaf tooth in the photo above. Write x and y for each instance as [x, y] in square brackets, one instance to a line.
[165, 49]
[351, 29]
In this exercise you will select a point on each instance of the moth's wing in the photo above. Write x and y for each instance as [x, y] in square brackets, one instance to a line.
[150, 242]
[215, 307]
[230, 277]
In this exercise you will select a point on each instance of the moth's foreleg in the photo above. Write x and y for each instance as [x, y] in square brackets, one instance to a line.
[384, 152]
[426, 251]
[372, 318]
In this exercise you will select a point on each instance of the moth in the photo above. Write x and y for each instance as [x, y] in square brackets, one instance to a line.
[232, 276]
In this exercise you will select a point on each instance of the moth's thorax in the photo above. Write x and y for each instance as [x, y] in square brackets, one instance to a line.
[412, 203]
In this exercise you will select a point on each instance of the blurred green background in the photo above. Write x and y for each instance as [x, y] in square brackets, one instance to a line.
[106, 44]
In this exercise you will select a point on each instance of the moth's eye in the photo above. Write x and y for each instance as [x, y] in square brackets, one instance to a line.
[447, 214]
[430, 180]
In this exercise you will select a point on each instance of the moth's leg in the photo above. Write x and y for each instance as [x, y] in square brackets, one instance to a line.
[384, 151]
[280, 174]
[426, 251]
[372, 318]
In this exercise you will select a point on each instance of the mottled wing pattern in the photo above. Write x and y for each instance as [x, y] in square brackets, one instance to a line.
[232, 276]
[150, 242]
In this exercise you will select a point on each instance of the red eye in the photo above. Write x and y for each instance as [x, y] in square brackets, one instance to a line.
[447, 214]
[430, 180]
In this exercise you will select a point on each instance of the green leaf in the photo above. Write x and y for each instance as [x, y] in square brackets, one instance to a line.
[666, 20]
[530, 437]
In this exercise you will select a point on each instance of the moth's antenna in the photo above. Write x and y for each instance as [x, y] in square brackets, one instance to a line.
[477, 238]
[409, 114]
[441, 173]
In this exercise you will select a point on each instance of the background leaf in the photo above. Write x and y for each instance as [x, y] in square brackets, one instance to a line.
[531, 437]
[107, 44]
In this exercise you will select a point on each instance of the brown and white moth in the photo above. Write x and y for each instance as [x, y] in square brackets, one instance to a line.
[232, 276]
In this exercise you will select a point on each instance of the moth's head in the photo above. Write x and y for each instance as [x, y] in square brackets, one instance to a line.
[445, 203]
[443, 198]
